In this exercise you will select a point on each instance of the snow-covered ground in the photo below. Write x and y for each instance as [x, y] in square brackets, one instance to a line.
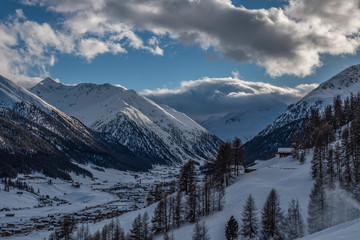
[346, 231]
[286, 175]
[94, 196]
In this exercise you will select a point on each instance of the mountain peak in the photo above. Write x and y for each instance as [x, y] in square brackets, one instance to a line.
[344, 79]
[49, 81]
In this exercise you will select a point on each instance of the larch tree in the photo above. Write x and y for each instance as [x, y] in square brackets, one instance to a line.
[272, 218]
[250, 222]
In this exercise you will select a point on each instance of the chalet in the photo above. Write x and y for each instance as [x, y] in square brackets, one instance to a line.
[284, 152]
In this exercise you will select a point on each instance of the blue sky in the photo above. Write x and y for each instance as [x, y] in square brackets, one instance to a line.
[139, 68]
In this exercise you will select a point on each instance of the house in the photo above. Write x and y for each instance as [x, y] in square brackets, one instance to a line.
[284, 152]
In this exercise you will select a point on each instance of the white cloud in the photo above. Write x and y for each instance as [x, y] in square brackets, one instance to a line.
[287, 40]
[219, 96]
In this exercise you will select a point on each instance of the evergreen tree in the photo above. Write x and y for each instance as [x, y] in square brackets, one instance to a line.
[136, 232]
[330, 168]
[200, 232]
[119, 233]
[146, 234]
[346, 156]
[317, 207]
[272, 218]
[187, 176]
[232, 229]
[192, 207]
[158, 220]
[250, 223]
[238, 155]
[178, 209]
[294, 221]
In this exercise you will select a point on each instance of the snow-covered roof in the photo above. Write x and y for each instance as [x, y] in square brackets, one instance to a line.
[285, 150]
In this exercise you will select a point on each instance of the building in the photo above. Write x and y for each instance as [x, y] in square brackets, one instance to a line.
[284, 152]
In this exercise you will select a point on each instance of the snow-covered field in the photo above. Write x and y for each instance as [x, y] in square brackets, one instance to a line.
[93, 195]
[286, 175]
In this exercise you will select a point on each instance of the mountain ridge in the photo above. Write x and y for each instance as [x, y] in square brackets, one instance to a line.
[60, 139]
[148, 129]
[278, 133]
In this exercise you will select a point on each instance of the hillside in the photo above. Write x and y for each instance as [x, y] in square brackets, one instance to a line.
[50, 140]
[265, 144]
[158, 133]
[292, 181]
[345, 231]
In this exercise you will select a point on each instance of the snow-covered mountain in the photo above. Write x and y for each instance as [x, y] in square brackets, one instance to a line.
[342, 84]
[278, 133]
[36, 136]
[156, 132]
[244, 124]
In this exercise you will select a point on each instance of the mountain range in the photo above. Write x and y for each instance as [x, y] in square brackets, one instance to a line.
[158, 133]
[35, 136]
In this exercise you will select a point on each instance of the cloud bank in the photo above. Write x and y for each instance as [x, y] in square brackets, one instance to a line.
[287, 40]
[209, 97]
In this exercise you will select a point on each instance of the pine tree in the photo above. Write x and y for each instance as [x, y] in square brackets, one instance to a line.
[346, 156]
[250, 223]
[104, 232]
[272, 218]
[119, 233]
[317, 207]
[192, 206]
[200, 232]
[178, 209]
[136, 232]
[96, 236]
[238, 155]
[330, 168]
[146, 234]
[158, 220]
[231, 229]
[294, 221]
[187, 176]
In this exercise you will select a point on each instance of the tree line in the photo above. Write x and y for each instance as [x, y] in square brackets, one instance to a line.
[334, 136]
[21, 185]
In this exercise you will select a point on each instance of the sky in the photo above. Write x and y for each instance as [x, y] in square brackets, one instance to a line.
[163, 45]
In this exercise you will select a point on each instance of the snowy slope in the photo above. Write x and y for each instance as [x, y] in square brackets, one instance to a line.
[342, 84]
[49, 137]
[10, 94]
[146, 128]
[286, 175]
[244, 124]
[278, 134]
[346, 231]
